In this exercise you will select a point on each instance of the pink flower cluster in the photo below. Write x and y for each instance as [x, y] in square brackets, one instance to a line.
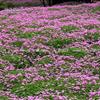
[59, 43]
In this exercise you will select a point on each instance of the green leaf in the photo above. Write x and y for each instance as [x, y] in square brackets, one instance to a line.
[69, 29]
[58, 43]
[76, 52]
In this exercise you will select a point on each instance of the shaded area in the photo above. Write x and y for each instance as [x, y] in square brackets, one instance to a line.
[12, 4]
[53, 2]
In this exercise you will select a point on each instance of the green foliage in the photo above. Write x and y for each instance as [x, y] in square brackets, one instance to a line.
[88, 36]
[33, 26]
[76, 52]
[16, 72]
[98, 28]
[71, 80]
[45, 60]
[4, 17]
[96, 97]
[53, 9]
[12, 58]
[89, 27]
[91, 36]
[37, 87]
[42, 72]
[3, 51]
[1, 86]
[2, 65]
[96, 9]
[96, 36]
[93, 87]
[96, 47]
[27, 35]
[96, 72]
[58, 42]
[51, 98]
[80, 95]
[36, 53]
[39, 52]
[5, 4]
[3, 98]
[83, 94]
[69, 29]
[17, 43]
[16, 60]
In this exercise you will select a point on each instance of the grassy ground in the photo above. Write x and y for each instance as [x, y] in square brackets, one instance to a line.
[50, 53]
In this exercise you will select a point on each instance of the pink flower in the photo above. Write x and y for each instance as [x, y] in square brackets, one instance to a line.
[77, 88]
[61, 98]
[93, 81]
[12, 77]
[84, 82]
[98, 93]
[10, 67]
[91, 94]
[30, 98]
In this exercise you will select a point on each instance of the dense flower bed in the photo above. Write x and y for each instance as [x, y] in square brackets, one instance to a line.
[50, 53]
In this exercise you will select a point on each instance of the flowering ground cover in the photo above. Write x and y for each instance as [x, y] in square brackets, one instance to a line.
[50, 53]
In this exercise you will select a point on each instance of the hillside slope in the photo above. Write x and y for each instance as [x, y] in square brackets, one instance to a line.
[50, 53]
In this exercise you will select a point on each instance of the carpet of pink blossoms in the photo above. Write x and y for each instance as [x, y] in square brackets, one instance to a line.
[50, 53]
